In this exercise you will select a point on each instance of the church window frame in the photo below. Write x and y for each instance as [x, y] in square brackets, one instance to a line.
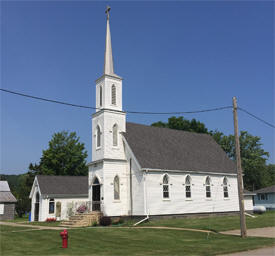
[208, 187]
[115, 135]
[116, 188]
[113, 94]
[225, 188]
[98, 137]
[100, 96]
[51, 206]
[165, 187]
[37, 197]
[188, 192]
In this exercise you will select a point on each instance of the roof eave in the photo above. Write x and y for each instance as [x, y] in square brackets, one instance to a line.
[188, 171]
[65, 195]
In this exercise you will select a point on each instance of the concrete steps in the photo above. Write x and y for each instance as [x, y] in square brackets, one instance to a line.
[82, 220]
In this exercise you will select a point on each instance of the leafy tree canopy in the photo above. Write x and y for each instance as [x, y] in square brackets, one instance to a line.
[64, 156]
[253, 158]
[256, 173]
[180, 123]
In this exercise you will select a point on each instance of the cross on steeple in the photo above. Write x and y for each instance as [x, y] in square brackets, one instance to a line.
[108, 8]
[108, 63]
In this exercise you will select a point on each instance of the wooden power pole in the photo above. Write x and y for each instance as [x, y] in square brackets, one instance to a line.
[239, 169]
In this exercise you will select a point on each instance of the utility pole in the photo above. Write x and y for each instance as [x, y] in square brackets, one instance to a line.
[239, 169]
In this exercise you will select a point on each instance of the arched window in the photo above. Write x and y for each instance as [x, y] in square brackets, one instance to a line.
[113, 94]
[51, 206]
[98, 136]
[96, 181]
[188, 186]
[225, 187]
[100, 96]
[115, 135]
[116, 188]
[37, 197]
[208, 187]
[165, 186]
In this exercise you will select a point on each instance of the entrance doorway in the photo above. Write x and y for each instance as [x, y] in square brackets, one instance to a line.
[96, 195]
[58, 211]
[36, 207]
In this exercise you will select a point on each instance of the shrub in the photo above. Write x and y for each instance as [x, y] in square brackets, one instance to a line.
[105, 221]
[121, 221]
[94, 224]
[117, 221]
[50, 219]
[82, 208]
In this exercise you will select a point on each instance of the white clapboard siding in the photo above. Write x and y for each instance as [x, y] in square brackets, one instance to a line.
[198, 203]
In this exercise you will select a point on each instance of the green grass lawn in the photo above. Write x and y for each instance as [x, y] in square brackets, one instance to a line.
[4, 229]
[17, 219]
[214, 223]
[123, 241]
[25, 220]
[217, 223]
[44, 223]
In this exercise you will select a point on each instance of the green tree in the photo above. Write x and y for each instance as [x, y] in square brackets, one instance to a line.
[22, 195]
[270, 171]
[180, 123]
[253, 157]
[64, 156]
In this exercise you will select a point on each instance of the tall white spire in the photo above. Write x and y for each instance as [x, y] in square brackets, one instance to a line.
[108, 61]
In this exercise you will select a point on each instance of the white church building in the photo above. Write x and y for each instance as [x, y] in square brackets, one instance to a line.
[140, 170]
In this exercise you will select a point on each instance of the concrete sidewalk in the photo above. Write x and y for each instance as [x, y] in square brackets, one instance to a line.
[14, 224]
[267, 251]
[256, 232]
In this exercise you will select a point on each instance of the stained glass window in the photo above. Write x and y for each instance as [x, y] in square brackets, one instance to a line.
[116, 188]
[208, 187]
[188, 187]
[165, 186]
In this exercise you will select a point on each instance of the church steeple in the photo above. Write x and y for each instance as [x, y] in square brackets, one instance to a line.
[109, 85]
[108, 60]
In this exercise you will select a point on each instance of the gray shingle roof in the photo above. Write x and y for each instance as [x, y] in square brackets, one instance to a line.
[7, 197]
[270, 189]
[63, 185]
[248, 193]
[169, 149]
[4, 185]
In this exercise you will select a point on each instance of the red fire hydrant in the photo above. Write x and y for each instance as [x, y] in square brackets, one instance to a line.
[64, 235]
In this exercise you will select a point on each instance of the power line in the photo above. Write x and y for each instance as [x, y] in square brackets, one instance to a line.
[258, 118]
[44, 99]
[178, 113]
[130, 112]
[136, 112]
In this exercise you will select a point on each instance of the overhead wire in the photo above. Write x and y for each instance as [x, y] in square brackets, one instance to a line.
[258, 118]
[130, 112]
[44, 99]
[138, 112]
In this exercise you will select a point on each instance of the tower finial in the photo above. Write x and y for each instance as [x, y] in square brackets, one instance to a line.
[108, 61]
[108, 8]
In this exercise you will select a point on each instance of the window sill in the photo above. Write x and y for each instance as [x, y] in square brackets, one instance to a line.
[98, 148]
[117, 201]
[208, 199]
[115, 148]
[188, 199]
[226, 198]
[166, 199]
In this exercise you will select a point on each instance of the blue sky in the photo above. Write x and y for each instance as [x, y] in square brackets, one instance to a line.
[173, 56]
